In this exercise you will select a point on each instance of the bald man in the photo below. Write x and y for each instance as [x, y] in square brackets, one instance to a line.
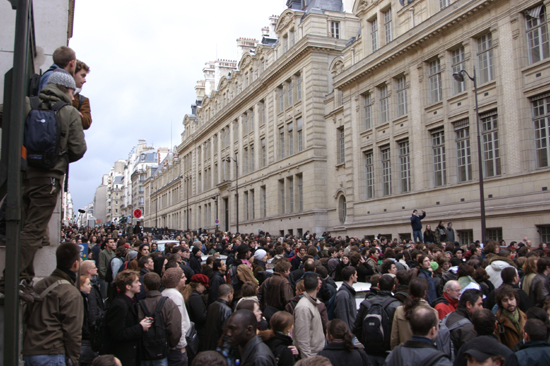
[95, 300]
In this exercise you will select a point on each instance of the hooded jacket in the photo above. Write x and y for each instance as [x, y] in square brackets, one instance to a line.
[495, 267]
[170, 314]
[72, 136]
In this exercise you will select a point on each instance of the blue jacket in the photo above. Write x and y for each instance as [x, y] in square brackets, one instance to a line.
[46, 75]
[534, 353]
[432, 293]
[416, 221]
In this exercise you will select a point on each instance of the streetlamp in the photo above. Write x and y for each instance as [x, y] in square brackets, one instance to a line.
[459, 76]
[228, 159]
[215, 198]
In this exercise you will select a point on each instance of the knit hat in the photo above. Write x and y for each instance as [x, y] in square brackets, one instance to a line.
[132, 255]
[172, 277]
[195, 250]
[434, 265]
[259, 254]
[200, 278]
[63, 78]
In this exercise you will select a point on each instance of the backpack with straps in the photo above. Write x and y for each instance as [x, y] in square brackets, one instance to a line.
[443, 341]
[29, 306]
[43, 133]
[431, 360]
[377, 327]
[155, 341]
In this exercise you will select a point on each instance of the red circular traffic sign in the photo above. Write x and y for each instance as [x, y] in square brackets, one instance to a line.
[137, 213]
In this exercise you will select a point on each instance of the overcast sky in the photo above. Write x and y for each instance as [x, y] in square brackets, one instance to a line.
[145, 59]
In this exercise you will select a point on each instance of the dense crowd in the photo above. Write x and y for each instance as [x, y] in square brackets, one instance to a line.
[254, 299]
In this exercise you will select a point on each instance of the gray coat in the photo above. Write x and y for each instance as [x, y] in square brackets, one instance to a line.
[344, 305]
[414, 353]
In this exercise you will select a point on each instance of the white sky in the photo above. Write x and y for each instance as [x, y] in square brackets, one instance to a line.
[145, 59]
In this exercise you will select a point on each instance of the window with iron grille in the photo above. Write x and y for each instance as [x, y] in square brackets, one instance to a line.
[462, 132]
[494, 234]
[537, 33]
[401, 96]
[374, 34]
[384, 104]
[300, 134]
[466, 237]
[335, 29]
[369, 176]
[282, 142]
[438, 149]
[251, 211]
[281, 99]
[367, 111]
[443, 4]
[250, 116]
[262, 113]
[388, 26]
[458, 64]
[290, 128]
[263, 153]
[289, 92]
[341, 146]
[290, 182]
[298, 87]
[245, 124]
[491, 151]
[263, 200]
[405, 166]
[541, 119]
[300, 180]
[386, 170]
[342, 208]
[436, 87]
[281, 196]
[544, 232]
[252, 158]
[485, 58]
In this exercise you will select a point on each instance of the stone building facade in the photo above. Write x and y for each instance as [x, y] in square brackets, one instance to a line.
[346, 122]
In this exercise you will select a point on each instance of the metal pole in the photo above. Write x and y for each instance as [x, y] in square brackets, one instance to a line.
[187, 180]
[237, 189]
[217, 215]
[13, 209]
[480, 162]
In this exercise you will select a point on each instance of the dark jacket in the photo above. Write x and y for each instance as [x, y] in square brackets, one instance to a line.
[124, 329]
[364, 308]
[218, 313]
[187, 270]
[413, 353]
[257, 353]
[524, 300]
[86, 326]
[275, 291]
[197, 313]
[278, 345]
[432, 293]
[416, 221]
[339, 355]
[195, 264]
[539, 290]
[170, 314]
[534, 353]
[141, 295]
[96, 305]
[463, 334]
[364, 272]
[215, 281]
[344, 305]
[55, 324]
[492, 341]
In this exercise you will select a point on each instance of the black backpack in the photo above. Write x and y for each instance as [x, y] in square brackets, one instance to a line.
[154, 341]
[43, 134]
[377, 327]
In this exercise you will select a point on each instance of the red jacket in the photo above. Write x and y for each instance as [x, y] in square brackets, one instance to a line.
[443, 308]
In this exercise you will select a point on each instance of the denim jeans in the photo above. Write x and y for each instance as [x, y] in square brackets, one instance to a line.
[45, 360]
[176, 358]
[163, 362]
[417, 234]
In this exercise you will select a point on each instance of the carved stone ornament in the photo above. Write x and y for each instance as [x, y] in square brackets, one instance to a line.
[245, 61]
[223, 83]
[285, 20]
[338, 68]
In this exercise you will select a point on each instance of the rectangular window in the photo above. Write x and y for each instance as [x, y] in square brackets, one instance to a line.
[458, 64]
[367, 111]
[491, 153]
[236, 131]
[386, 171]
[298, 87]
[216, 174]
[369, 178]
[494, 234]
[335, 29]
[443, 4]
[246, 206]
[262, 113]
[388, 26]
[405, 166]
[436, 87]
[374, 34]
[300, 192]
[541, 119]
[462, 131]
[384, 104]
[537, 33]
[289, 93]
[252, 158]
[401, 96]
[245, 124]
[466, 237]
[263, 153]
[544, 231]
[290, 138]
[263, 199]
[485, 58]
[282, 142]
[285, 43]
[245, 167]
[250, 120]
[290, 182]
[281, 196]
[292, 37]
[251, 211]
[300, 134]
[341, 148]
[281, 99]
[440, 167]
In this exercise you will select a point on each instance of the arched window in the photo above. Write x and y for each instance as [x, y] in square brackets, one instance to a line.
[342, 207]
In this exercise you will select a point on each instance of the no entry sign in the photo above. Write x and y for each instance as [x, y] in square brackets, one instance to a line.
[137, 213]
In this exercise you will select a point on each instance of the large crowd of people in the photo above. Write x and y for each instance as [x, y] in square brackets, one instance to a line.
[256, 299]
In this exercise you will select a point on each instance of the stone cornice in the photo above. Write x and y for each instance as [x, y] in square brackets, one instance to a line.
[410, 40]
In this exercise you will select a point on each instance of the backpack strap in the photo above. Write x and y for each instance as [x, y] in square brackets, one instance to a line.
[388, 301]
[432, 359]
[459, 323]
[58, 105]
[49, 289]
[160, 305]
[144, 308]
[35, 102]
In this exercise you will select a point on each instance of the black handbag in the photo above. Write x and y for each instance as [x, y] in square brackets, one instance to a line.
[192, 340]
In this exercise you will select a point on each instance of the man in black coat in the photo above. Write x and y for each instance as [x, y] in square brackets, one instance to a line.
[217, 316]
[123, 324]
[216, 280]
[511, 278]
[241, 332]
[195, 260]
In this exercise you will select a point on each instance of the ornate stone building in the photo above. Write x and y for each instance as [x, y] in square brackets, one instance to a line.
[346, 122]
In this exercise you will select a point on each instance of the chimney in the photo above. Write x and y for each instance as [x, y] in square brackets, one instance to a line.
[272, 24]
[265, 32]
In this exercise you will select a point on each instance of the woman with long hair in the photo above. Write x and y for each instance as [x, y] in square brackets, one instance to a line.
[279, 339]
[196, 307]
[530, 270]
[401, 328]
[429, 235]
[340, 349]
